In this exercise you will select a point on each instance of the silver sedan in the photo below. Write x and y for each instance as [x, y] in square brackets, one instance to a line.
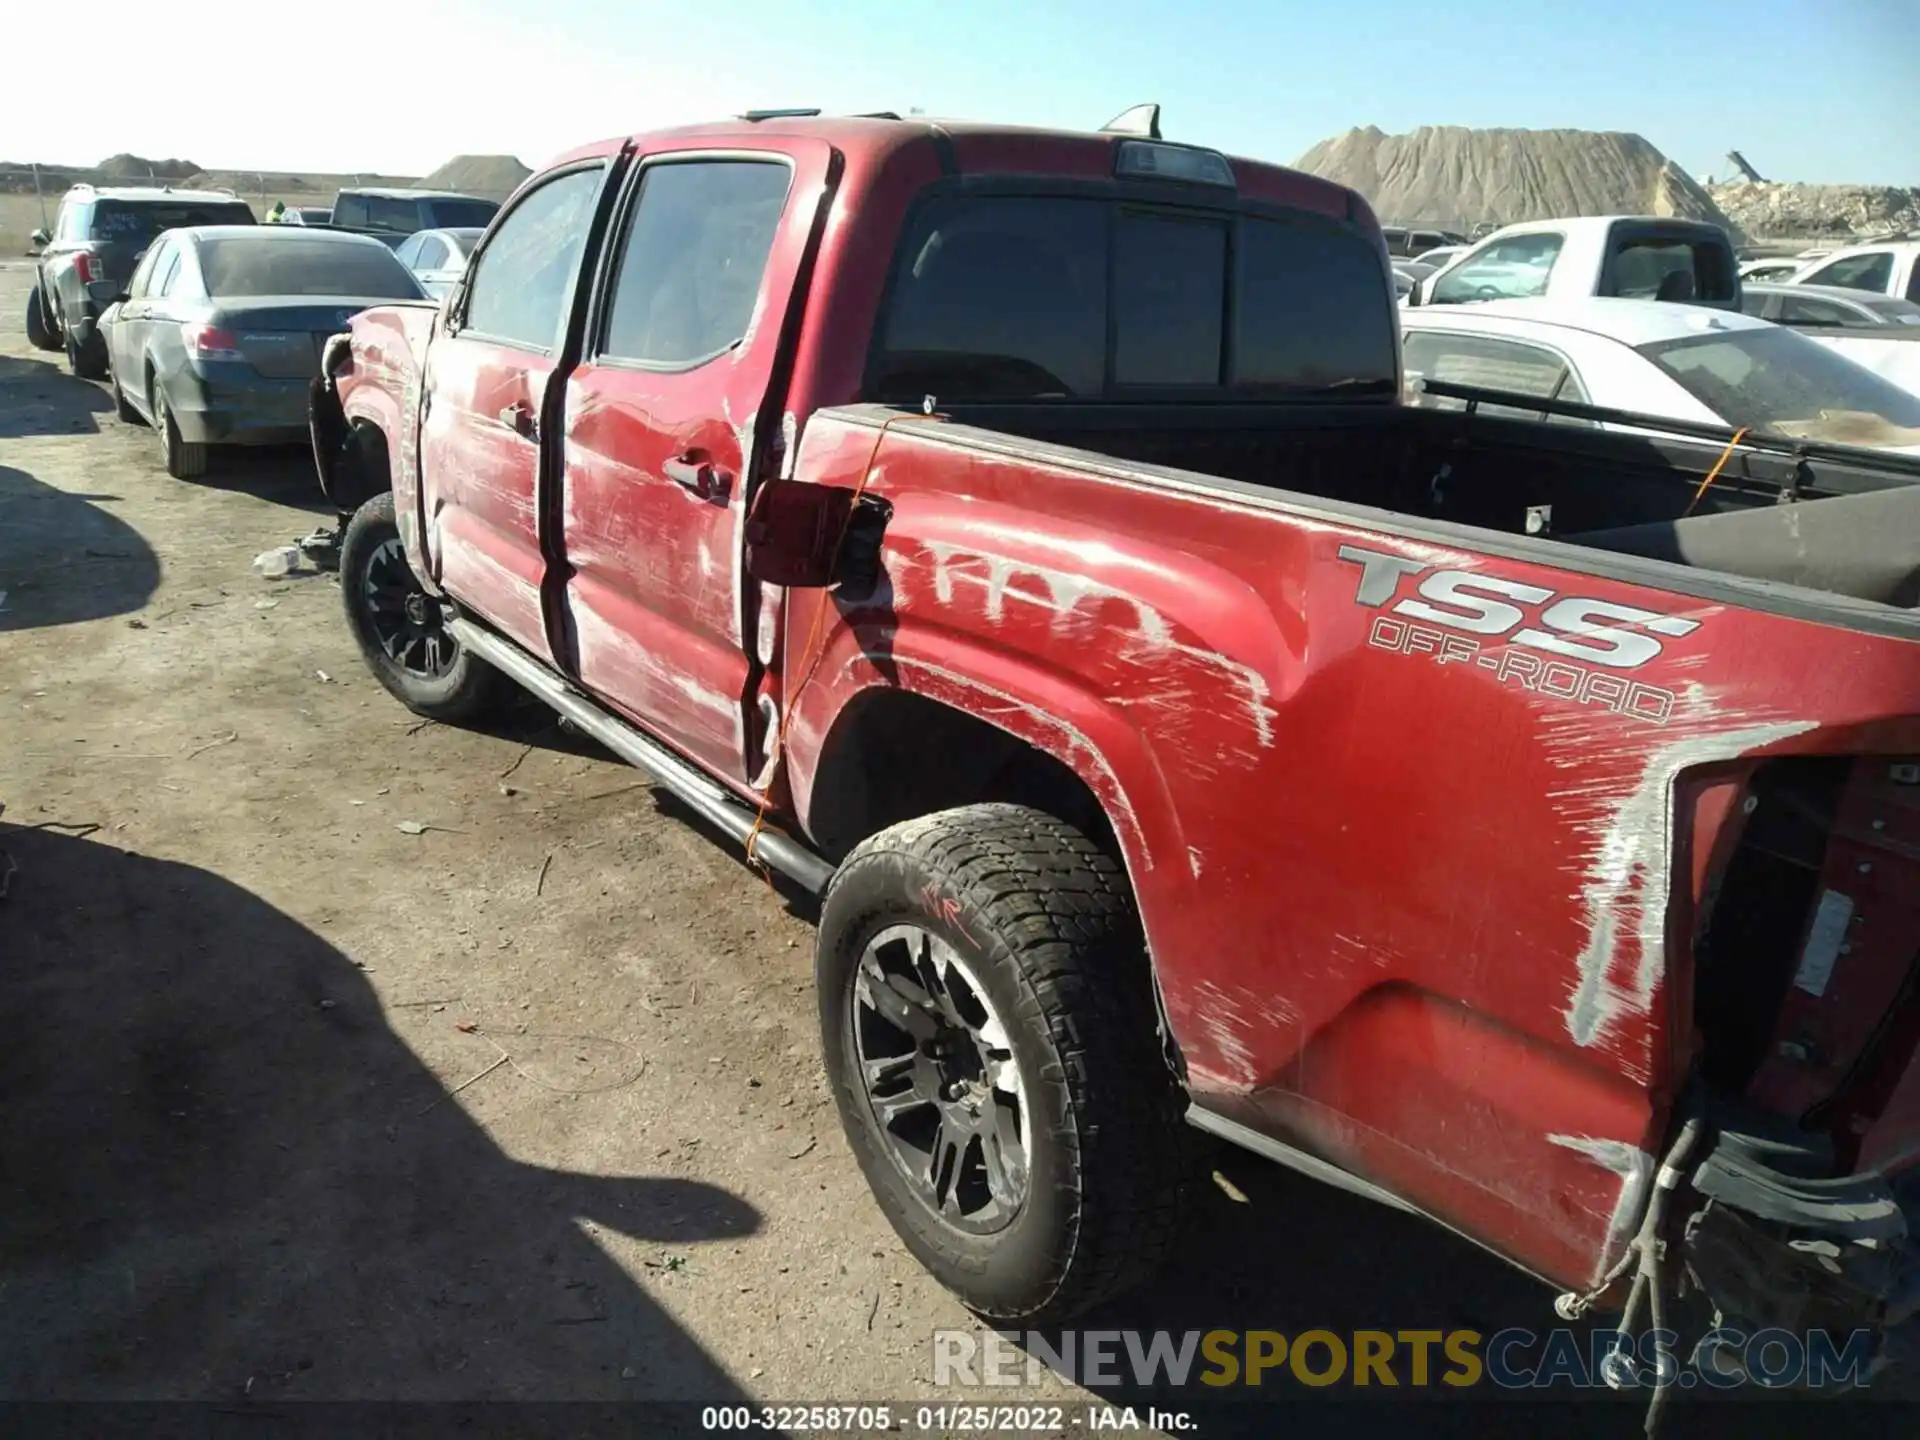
[438, 258]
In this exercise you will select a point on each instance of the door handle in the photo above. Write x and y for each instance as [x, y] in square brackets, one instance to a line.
[694, 472]
[518, 417]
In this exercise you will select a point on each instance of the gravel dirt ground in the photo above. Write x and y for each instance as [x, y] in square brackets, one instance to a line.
[525, 1106]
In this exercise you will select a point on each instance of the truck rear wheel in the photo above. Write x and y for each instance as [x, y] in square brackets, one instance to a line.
[990, 1031]
[400, 627]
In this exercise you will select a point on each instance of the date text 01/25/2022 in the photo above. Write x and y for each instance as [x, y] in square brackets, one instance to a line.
[940, 1419]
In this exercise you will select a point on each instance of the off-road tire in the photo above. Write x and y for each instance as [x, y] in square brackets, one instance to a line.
[184, 461]
[88, 361]
[468, 690]
[40, 330]
[1044, 918]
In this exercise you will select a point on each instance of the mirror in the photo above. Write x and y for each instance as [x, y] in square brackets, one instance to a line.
[40, 237]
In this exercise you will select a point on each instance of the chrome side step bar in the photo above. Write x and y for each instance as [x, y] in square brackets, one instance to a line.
[693, 789]
[1281, 1153]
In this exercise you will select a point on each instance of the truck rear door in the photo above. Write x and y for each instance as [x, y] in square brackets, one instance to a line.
[664, 416]
[485, 389]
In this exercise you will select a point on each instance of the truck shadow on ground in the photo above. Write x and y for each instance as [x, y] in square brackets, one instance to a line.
[38, 398]
[64, 558]
[1289, 1254]
[226, 1178]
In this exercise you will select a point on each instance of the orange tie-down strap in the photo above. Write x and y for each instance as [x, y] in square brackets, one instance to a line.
[1714, 473]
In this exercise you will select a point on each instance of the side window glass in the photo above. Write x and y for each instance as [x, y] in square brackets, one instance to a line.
[432, 254]
[143, 273]
[1856, 272]
[165, 274]
[1508, 365]
[350, 210]
[1804, 310]
[690, 267]
[73, 221]
[1509, 270]
[409, 251]
[519, 282]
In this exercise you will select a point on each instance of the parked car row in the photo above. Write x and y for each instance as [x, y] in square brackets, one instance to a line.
[1673, 361]
[208, 324]
[221, 327]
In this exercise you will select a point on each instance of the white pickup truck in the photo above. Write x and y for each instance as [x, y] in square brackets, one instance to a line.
[1888, 267]
[1639, 257]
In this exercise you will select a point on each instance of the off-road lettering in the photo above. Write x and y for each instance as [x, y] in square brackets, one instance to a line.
[1573, 626]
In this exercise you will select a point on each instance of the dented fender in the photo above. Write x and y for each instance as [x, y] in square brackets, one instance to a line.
[377, 376]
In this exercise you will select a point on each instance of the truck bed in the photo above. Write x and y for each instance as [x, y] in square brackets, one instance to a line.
[1628, 494]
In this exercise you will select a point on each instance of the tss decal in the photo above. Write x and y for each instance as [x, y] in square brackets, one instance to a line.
[1511, 613]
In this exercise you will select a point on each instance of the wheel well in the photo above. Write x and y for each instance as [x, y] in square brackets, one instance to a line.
[363, 468]
[893, 755]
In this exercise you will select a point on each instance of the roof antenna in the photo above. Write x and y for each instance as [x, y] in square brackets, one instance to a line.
[1141, 120]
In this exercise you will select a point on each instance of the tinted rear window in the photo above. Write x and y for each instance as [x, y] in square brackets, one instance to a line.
[1002, 297]
[288, 265]
[387, 212]
[444, 213]
[136, 222]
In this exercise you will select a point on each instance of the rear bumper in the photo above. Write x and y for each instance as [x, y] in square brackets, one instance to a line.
[259, 411]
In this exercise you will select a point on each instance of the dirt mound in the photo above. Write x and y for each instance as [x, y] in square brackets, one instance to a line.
[125, 167]
[251, 182]
[1778, 210]
[489, 175]
[1456, 177]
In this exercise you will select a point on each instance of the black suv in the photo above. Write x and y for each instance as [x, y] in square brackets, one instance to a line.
[394, 214]
[85, 264]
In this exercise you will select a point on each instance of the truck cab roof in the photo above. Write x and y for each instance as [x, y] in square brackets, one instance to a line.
[972, 147]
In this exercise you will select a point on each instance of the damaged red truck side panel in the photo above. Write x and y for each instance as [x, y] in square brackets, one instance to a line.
[1340, 708]
[1476, 859]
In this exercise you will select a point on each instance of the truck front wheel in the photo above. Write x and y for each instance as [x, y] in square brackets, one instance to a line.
[400, 628]
[989, 1027]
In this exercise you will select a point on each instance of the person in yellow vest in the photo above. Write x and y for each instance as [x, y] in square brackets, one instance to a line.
[277, 213]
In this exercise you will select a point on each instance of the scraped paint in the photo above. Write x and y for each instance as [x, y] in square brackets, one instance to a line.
[1635, 1169]
[1626, 884]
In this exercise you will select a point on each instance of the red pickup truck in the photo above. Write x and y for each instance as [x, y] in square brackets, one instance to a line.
[1017, 538]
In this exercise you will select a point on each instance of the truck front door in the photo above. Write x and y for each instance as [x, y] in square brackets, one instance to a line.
[661, 421]
[486, 386]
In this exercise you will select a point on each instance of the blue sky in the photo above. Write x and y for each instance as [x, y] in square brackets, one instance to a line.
[1809, 91]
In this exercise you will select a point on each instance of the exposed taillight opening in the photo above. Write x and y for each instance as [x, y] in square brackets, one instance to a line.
[1807, 955]
[86, 267]
[210, 342]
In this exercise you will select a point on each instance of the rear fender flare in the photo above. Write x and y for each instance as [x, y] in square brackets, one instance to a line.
[1055, 714]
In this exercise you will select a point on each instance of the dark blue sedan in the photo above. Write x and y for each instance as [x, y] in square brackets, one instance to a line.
[221, 327]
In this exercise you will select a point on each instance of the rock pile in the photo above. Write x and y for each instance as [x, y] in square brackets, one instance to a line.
[1457, 177]
[1778, 210]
